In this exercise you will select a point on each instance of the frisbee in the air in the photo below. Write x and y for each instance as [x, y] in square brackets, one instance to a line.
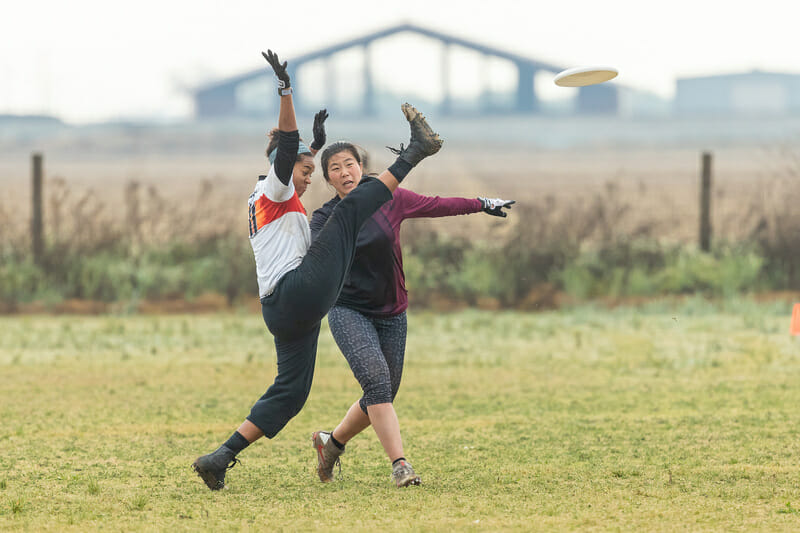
[583, 76]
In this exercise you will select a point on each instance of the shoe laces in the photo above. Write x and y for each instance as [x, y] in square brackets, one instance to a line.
[396, 151]
[403, 469]
[339, 463]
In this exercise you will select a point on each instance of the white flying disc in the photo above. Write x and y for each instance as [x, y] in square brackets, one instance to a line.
[583, 76]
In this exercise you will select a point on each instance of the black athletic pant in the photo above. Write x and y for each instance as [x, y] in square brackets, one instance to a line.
[302, 298]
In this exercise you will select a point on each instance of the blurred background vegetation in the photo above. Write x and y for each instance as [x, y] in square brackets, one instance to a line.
[146, 248]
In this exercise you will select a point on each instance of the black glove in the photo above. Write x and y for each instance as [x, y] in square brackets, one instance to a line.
[319, 129]
[284, 87]
[494, 206]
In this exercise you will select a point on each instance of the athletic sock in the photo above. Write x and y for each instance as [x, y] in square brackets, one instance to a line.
[398, 460]
[236, 443]
[337, 443]
[400, 169]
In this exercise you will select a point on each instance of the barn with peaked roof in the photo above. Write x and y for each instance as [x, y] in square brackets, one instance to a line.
[248, 94]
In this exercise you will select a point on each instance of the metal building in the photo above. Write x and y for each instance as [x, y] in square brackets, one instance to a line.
[230, 97]
[749, 93]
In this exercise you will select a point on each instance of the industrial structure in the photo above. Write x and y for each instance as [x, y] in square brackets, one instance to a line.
[754, 93]
[228, 98]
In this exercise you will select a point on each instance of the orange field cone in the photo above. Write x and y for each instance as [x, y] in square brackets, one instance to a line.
[794, 329]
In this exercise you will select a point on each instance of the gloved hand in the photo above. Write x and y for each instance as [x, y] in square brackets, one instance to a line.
[319, 129]
[284, 86]
[494, 206]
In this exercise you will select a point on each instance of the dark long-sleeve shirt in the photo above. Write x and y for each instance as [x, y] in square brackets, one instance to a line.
[376, 284]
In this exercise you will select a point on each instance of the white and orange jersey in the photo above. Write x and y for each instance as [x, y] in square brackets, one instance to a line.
[279, 232]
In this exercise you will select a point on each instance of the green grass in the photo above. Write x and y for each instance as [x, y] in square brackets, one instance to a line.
[656, 419]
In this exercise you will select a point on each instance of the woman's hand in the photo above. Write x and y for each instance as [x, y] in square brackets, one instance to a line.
[319, 130]
[284, 85]
[495, 206]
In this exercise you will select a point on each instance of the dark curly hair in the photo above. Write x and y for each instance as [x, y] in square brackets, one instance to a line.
[273, 144]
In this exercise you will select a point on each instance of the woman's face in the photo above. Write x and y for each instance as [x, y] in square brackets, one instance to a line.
[301, 175]
[344, 172]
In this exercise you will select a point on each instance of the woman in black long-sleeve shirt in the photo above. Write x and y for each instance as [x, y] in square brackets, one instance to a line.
[368, 321]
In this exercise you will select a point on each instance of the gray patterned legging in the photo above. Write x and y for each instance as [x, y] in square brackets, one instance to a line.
[374, 348]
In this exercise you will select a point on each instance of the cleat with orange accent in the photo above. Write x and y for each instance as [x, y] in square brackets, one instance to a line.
[327, 455]
[403, 474]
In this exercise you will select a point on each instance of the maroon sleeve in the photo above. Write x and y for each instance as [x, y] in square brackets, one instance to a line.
[415, 205]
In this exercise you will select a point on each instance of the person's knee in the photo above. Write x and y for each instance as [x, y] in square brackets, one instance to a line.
[378, 393]
[281, 400]
[295, 401]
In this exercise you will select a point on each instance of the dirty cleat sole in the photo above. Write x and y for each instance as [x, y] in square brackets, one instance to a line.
[208, 477]
[211, 470]
[411, 481]
[421, 132]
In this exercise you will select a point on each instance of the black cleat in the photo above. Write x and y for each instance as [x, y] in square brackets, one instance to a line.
[424, 141]
[212, 467]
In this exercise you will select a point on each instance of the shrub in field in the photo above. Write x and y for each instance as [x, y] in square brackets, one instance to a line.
[149, 249]
[478, 275]
[585, 246]
[430, 261]
[647, 268]
[20, 279]
[777, 231]
[614, 268]
[223, 265]
[726, 271]
[539, 244]
[104, 277]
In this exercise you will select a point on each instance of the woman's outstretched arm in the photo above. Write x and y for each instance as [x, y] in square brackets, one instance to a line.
[288, 136]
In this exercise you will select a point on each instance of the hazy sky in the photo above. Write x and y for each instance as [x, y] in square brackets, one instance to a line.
[91, 60]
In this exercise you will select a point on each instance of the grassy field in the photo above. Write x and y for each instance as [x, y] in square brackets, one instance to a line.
[662, 418]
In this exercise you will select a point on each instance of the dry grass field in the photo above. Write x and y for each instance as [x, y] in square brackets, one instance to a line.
[208, 174]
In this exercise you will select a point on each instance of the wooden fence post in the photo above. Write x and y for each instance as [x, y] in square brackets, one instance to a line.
[37, 222]
[705, 204]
